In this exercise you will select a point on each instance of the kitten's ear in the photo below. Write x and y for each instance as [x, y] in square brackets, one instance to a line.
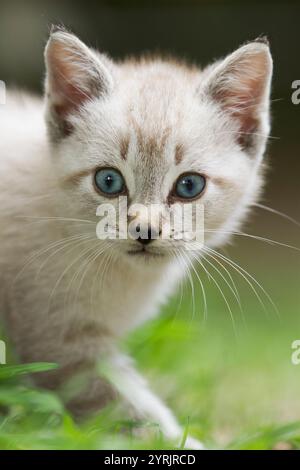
[240, 84]
[75, 74]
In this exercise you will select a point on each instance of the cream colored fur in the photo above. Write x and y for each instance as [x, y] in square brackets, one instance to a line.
[46, 186]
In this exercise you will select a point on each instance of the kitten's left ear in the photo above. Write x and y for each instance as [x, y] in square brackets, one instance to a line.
[75, 74]
[241, 84]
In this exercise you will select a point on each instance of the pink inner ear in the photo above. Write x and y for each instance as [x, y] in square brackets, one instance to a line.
[69, 98]
[67, 73]
[240, 92]
[243, 102]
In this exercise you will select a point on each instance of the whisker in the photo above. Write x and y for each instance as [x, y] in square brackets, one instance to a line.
[244, 274]
[230, 277]
[75, 242]
[224, 278]
[224, 298]
[78, 271]
[97, 275]
[33, 257]
[68, 267]
[255, 237]
[274, 211]
[190, 278]
[88, 263]
[181, 296]
[267, 136]
[62, 219]
[202, 289]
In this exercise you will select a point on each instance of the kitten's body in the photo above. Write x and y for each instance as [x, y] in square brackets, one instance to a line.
[75, 321]
[74, 337]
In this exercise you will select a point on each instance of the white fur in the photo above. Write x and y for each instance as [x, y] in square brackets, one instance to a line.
[137, 101]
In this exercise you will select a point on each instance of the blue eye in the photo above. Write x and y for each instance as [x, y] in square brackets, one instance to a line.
[189, 185]
[109, 181]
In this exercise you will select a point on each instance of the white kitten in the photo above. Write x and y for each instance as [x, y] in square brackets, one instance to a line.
[147, 123]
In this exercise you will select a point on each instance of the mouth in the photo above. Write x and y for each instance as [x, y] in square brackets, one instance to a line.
[144, 253]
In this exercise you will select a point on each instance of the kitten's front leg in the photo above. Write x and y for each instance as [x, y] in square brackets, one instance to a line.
[87, 387]
[143, 402]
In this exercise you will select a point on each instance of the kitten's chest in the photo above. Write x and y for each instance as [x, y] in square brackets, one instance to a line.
[58, 282]
[59, 290]
[122, 298]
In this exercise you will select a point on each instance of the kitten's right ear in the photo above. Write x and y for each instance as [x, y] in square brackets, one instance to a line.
[240, 85]
[75, 75]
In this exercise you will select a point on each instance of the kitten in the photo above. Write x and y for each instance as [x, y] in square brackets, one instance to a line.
[159, 131]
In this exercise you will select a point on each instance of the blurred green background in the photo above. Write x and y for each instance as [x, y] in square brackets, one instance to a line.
[234, 386]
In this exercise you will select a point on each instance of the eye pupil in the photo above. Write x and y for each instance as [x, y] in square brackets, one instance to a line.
[109, 180]
[189, 184]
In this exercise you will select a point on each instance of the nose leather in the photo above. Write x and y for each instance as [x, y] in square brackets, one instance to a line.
[151, 235]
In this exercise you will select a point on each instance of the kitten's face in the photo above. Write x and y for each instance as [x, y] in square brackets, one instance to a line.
[159, 133]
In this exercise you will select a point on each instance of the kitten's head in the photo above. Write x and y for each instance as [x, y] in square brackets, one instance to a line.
[159, 132]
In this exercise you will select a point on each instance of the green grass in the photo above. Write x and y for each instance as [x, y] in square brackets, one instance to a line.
[232, 387]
